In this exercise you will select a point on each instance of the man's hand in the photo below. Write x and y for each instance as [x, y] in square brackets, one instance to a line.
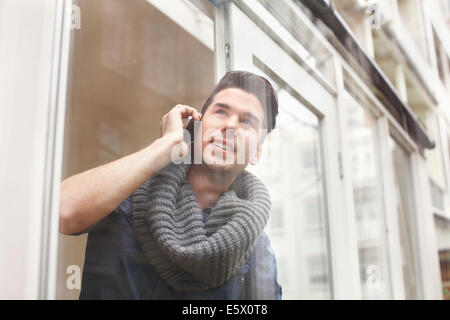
[172, 126]
[89, 196]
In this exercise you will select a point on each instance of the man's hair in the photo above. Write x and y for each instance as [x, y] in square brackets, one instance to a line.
[254, 84]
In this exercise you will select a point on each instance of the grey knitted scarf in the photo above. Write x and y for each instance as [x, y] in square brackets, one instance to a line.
[189, 254]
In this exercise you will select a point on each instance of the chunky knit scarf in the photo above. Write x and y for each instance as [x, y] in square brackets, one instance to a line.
[189, 254]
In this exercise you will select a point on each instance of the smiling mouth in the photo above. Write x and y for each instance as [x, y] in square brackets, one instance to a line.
[222, 145]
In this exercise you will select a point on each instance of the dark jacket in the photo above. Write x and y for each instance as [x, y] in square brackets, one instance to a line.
[115, 267]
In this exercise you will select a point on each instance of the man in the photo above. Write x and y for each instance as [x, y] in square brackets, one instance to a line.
[162, 230]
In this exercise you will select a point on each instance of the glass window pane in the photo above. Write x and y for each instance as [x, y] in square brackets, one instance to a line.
[406, 218]
[130, 63]
[286, 19]
[291, 168]
[372, 247]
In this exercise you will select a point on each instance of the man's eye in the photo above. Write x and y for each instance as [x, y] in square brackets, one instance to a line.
[247, 121]
[220, 111]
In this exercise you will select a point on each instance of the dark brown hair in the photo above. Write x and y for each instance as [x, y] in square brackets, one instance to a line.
[254, 84]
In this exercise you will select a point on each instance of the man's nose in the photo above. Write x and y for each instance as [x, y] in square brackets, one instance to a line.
[232, 122]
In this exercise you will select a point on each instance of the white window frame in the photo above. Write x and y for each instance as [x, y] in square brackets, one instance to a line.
[35, 96]
[387, 220]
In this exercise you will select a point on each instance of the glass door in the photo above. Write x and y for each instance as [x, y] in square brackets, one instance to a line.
[292, 162]
[406, 215]
[367, 200]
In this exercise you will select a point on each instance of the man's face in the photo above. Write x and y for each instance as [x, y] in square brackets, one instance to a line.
[230, 130]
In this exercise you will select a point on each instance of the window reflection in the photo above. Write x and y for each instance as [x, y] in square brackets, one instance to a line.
[297, 225]
[284, 18]
[370, 224]
[406, 218]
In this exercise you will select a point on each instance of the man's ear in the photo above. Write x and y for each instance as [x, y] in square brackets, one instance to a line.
[255, 159]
